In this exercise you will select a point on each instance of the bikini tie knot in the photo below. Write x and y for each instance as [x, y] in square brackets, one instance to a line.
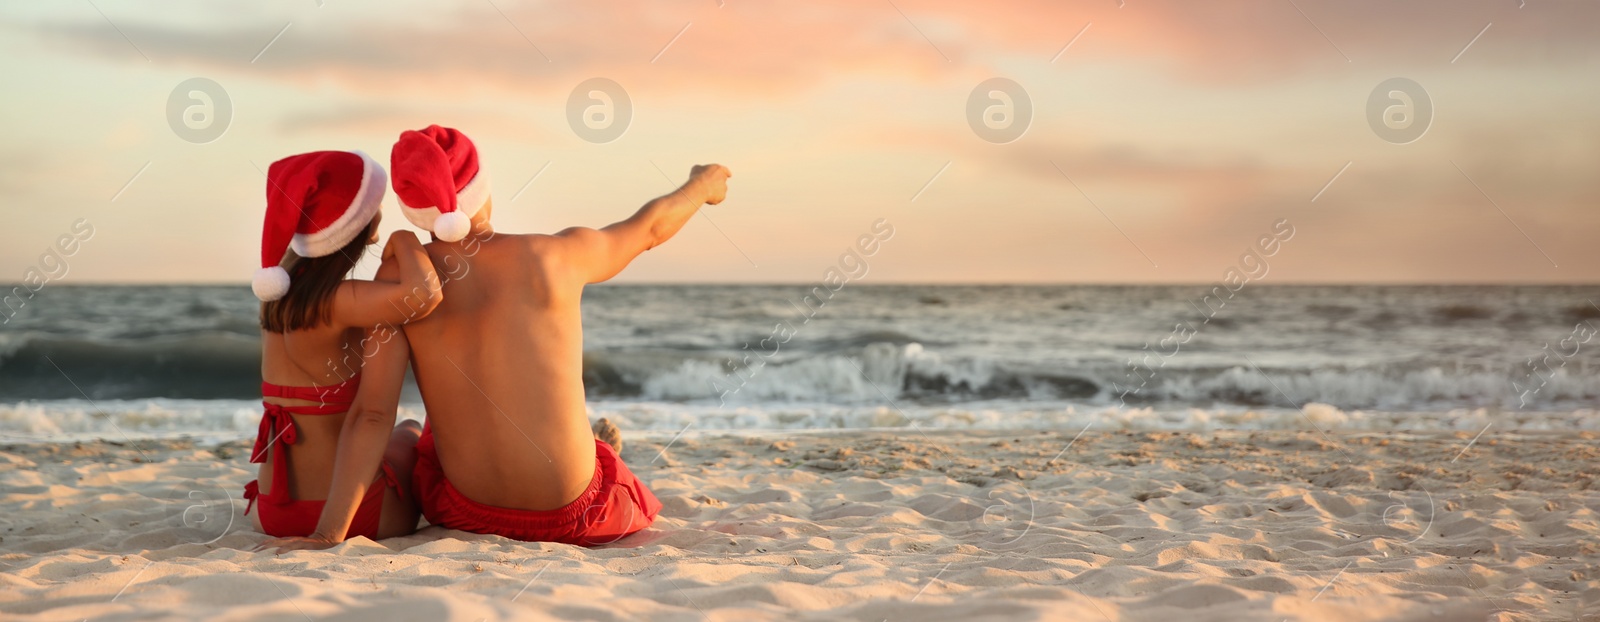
[276, 426]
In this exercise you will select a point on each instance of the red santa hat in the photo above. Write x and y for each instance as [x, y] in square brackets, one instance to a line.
[438, 181]
[316, 203]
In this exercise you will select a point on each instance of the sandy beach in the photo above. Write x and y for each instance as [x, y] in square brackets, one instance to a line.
[864, 525]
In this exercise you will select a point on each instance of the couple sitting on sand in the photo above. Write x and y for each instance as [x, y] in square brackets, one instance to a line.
[496, 346]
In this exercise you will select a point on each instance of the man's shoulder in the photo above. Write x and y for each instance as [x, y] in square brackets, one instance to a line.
[496, 239]
[528, 250]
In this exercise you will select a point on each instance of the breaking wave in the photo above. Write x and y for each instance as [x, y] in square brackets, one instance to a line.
[867, 368]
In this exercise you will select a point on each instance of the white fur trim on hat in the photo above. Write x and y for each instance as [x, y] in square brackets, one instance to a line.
[374, 182]
[469, 201]
[474, 194]
[270, 284]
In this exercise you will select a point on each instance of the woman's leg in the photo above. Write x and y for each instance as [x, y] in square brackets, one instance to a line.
[400, 512]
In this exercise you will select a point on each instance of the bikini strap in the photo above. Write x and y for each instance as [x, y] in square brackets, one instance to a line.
[342, 393]
[251, 491]
[392, 481]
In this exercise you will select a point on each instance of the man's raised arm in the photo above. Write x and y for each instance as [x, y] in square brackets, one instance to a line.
[594, 255]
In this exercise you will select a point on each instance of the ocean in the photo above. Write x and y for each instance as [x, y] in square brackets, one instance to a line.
[123, 362]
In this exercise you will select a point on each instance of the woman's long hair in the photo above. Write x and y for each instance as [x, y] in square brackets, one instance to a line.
[313, 282]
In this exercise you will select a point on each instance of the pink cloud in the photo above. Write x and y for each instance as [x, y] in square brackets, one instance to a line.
[763, 50]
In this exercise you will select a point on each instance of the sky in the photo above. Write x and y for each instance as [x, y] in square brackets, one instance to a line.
[1164, 138]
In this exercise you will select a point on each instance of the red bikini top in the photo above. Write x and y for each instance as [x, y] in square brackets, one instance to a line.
[341, 394]
[277, 427]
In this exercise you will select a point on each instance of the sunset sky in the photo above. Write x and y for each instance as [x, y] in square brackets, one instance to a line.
[1186, 129]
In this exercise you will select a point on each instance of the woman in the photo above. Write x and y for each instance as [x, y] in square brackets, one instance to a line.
[316, 327]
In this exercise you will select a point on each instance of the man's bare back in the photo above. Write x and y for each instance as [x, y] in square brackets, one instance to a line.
[501, 371]
[500, 361]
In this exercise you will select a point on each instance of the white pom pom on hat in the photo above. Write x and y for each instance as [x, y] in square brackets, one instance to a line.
[452, 226]
[270, 284]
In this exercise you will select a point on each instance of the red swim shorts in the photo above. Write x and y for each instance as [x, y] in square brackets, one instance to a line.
[615, 505]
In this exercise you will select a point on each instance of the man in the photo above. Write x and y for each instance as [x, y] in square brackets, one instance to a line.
[509, 449]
